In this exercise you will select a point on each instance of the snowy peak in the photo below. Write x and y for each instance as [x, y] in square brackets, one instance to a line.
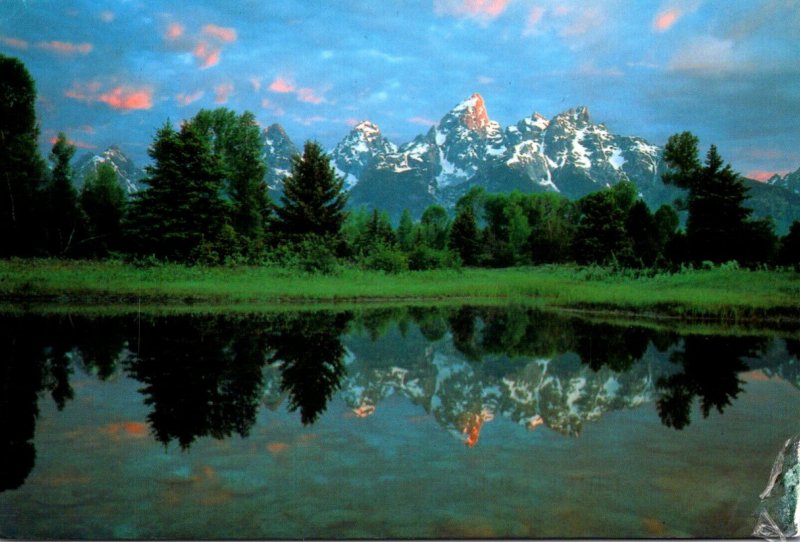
[127, 172]
[278, 152]
[472, 114]
[360, 148]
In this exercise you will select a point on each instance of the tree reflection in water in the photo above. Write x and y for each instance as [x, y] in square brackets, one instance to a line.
[308, 349]
[709, 370]
[205, 375]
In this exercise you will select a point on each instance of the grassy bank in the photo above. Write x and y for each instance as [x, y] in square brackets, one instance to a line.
[719, 294]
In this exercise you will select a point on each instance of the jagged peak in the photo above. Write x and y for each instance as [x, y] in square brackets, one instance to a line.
[472, 113]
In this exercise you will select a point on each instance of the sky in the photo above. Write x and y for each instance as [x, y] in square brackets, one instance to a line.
[113, 72]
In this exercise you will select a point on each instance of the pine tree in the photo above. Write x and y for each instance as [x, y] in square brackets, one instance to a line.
[22, 170]
[182, 211]
[312, 203]
[601, 237]
[236, 141]
[64, 217]
[405, 231]
[464, 237]
[104, 202]
[717, 214]
[718, 219]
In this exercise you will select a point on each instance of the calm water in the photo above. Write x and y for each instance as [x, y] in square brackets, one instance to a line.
[471, 422]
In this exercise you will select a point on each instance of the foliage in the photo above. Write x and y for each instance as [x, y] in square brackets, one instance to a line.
[63, 216]
[22, 170]
[464, 238]
[182, 208]
[236, 141]
[104, 202]
[313, 201]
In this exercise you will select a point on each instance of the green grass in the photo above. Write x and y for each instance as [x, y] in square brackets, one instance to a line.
[717, 294]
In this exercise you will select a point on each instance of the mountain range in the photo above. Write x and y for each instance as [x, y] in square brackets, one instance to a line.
[569, 154]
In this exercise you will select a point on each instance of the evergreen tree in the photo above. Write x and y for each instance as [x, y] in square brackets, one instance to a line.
[405, 231]
[103, 201]
[312, 203]
[464, 237]
[181, 213]
[601, 236]
[63, 216]
[789, 252]
[552, 218]
[236, 141]
[641, 229]
[433, 227]
[22, 170]
[718, 220]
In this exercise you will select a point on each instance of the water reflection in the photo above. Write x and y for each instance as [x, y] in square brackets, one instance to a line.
[207, 376]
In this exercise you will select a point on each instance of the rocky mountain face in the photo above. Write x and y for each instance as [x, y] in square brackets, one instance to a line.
[790, 181]
[568, 154]
[278, 152]
[127, 173]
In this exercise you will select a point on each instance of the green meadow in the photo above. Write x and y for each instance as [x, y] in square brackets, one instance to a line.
[722, 294]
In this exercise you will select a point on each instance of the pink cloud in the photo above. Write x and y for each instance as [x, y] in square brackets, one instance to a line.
[174, 31]
[308, 95]
[422, 121]
[222, 33]
[65, 47]
[281, 85]
[14, 43]
[107, 16]
[185, 99]
[534, 18]
[208, 56]
[222, 92]
[664, 20]
[127, 99]
[487, 9]
[255, 82]
[764, 176]
[87, 129]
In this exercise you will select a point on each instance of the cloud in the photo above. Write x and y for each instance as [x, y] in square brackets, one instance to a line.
[255, 82]
[222, 33]
[174, 31]
[422, 121]
[185, 99]
[664, 20]
[707, 56]
[222, 92]
[281, 85]
[208, 56]
[14, 43]
[533, 21]
[107, 16]
[119, 97]
[127, 99]
[477, 9]
[485, 80]
[65, 47]
[309, 95]
[764, 176]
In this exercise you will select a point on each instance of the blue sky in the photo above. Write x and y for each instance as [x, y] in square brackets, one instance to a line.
[113, 72]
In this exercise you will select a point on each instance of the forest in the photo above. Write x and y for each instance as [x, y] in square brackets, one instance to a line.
[206, 203]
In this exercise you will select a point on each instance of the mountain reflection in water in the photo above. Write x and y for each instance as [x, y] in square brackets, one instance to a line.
[208, 375]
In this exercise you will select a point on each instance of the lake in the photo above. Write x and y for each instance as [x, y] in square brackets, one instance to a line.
[463, 422]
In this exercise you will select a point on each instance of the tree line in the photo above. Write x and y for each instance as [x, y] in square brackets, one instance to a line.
[206, 201]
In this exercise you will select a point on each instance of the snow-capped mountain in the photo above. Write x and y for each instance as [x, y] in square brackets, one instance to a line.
[567, 154]
[128, 174]
[278, 152]
[790, 181]
[355, 153]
